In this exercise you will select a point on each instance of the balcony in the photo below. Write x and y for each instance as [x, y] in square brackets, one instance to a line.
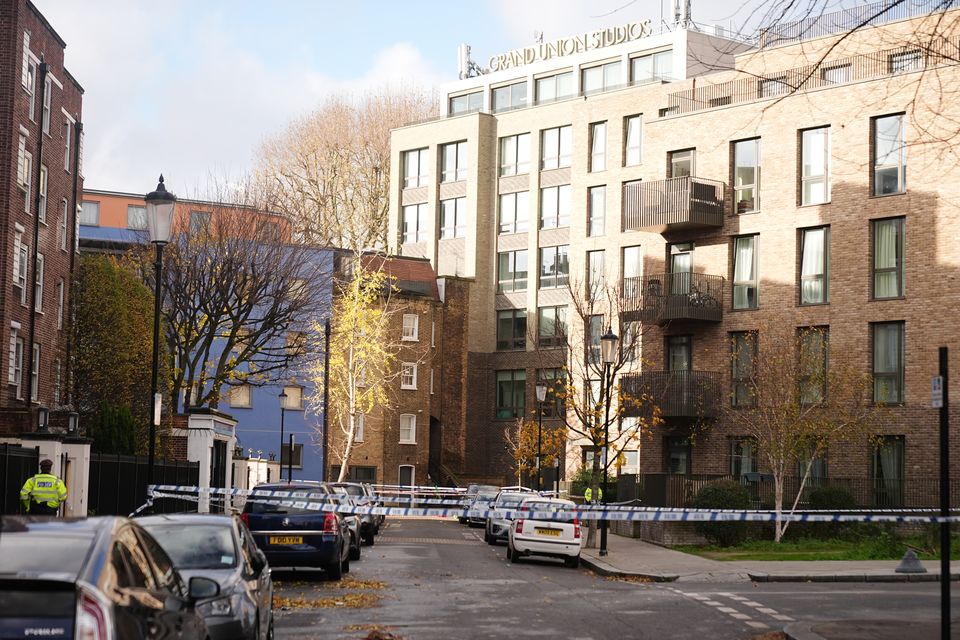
[675, 204]
[673, 296]
[678, 394]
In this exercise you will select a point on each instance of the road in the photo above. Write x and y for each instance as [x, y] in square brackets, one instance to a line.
[436, 579]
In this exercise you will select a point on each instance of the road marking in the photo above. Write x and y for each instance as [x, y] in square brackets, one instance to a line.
[756, 625]
[393, 539]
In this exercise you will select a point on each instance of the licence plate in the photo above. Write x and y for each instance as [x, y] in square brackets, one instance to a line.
[547, 532]
[286, 540]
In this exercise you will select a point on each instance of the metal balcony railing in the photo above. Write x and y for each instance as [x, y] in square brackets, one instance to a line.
[677, 394]
[673, 296]
[673, 204]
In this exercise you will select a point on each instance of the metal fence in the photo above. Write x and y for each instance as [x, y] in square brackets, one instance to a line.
[118, 483]
[16, 465]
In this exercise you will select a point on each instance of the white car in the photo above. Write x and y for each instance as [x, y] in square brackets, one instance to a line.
[551, 538]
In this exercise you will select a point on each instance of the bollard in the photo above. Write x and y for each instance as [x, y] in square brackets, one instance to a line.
[910, 563]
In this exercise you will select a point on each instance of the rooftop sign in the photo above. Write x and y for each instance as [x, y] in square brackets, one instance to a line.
[569, 46]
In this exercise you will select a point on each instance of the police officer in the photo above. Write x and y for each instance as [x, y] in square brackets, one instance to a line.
[43, 494]
[588, 495]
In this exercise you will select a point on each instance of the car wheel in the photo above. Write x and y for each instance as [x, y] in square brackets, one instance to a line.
[270, 628]
[354, 553]
[489, 539]
[334, 570]
[368, 537]
[512, 554]
[345, 565]
[572, 562]
[461, 520]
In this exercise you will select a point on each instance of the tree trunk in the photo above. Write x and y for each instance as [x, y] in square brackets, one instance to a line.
[778, 528]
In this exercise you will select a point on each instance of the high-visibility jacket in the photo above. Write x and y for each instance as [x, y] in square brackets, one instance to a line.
[588, 494]
[44, 488]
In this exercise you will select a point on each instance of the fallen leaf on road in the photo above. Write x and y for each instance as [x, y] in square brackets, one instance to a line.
[771, 635]
[353, 583]
[381, 635]
[634, 579]
[350, 600]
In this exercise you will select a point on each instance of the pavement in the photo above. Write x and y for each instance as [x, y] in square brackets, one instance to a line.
[633, 558]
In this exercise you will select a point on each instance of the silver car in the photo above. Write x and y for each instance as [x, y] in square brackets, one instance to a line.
[499, 528]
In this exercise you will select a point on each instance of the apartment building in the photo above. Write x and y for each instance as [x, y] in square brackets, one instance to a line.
[635, 158]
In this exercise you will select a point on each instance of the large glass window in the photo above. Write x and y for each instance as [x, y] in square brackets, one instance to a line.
[594, 330]
[466, 103]
[136, 217]
[906, 61]
[598, 146]
[746, 175]
[743, 457]
[814, 343]
[745, 281]
[408, 431]
[888, 362]
[552, 326]
[414, 220]
[596, 278]
[515, 154]
[512, 271]
[513, 212]
[682, 163]
[888, 254]
[89, 213]
[632, 132]
[511, 394]
[511, 329]
[416, 168]
[596, 210]
[887, 471]
[650, 68]
[630, 270]
[815, 166]
[554, 266]
[200, 222]
[553, 405]
[511, 96]
[555, 147]
[454, 162]
[555, 207]
[814, 265]
[889, 156]
[453, 218]
[601, 77]
[555, 87]
[743, 346]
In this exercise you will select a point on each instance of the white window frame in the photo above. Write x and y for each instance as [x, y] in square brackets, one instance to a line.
[42, 205]
[15, 358]
[598, 146]
[22, 161]
[38, 284]
[413, 474]
[410, 429]
[557, 153]
[27, 180]
[57, 382]
[408, 375]
[67, 143]
[60, 290]
[411, 328]
[431, 381]
[456, 173]
[31, 87]
[433, 334]
[47, 99]
[35, 374]
[359, 427]
[515, 155]
[80, 216]
[419, 175]
[19, 262]
[292, 391]
[62, 231]
[807, 177]
[632, 140]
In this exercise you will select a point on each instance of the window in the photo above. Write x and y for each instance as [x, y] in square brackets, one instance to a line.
[513, 211]
[555, 147]
[631, 266]
[136, 217]
[553, 404]
[60, 304]
[814, 343]
[511, 96]
[22, 170]
[433, 334]
[552, 326]
[80, 154]
[814, 265]
[414, 223]
[632, 131]
[745, 284]
[836, 74]
[453, 218]
[431, 381]
[743, 457]
[294, 399]
[268, 231]
[515, 155]
[770, 87]
[593, 331]
[416, 168]
[888, 255]
[743, 346]
[682, 163]
[296, 343]
[888, 362]
[56, 382]
[62, 229]
[454, 161]
[359, 426]
[408, 375]
[596, 279]
[47, 91]
[651, 68]
[678, 452]
[411, 327]
[240, 396]
[887, 471]
[628, 460]
[596, 210]
[598, 146]
[200, 223]
[285, 462]
[555, 87]
[35, 374]
[38, 284]
[746, 175]
[554, 266]
[555, 207]
[815, 166]
[631, 341]
[906, 61]
[511, 329]
[67, 141]
[720, 101]
[889, 156]
[408, 428]
[21, 251]
[467, 103]
[15, 369]
[42, 206]
[630, 206]
[27, 180]
[405, 475]
[511, 394]
[600, 78]
[31, 88]
[512, 271]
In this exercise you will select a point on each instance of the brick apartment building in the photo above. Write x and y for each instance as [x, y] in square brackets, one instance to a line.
[40, 181]
[623, 155]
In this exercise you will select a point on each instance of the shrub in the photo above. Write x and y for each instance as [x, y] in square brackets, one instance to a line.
[723, 494]
[829, 498]
[832, 498]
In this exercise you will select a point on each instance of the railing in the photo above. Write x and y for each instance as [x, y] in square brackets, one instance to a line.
[673, 204]
[118, 483]
[677, 394]
[16, 465]
[673, 296]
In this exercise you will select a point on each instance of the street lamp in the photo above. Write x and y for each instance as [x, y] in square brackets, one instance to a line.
[43, 420]
[283, 410]
[541, 396]
[160, 205]
[608, 352]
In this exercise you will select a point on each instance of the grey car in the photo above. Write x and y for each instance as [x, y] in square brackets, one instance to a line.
[480, 503]
[364, 496]
[353, 520]
[220, 547]
[499, 528]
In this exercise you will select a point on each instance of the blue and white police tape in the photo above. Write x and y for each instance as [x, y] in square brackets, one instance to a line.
[310, 501]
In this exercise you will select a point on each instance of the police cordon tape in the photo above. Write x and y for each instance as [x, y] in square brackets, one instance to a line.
[314, 501]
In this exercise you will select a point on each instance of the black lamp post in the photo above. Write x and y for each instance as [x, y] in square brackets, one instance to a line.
[160, 205]
[283, 410]
[608, 350]
[541, 396]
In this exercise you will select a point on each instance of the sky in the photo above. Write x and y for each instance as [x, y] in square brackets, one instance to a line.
[191, 88]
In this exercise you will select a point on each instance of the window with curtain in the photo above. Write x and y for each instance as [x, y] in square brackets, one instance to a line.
[746, 176]
[596, 210]
[814, 344]
[598, 146]
[889, 156]
[888, 271]
[814, 263]
[815, 166]
[888, 362]
[513, 212]
[743, 345]
[555, 207]
[887, 471]
[511, 394]
[745, 285]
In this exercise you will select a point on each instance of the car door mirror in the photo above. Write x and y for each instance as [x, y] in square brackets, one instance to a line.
[202, 588]
[258, 561]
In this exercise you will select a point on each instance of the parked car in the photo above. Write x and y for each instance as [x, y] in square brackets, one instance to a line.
[472, 491]
[353, 520]
[481, 502]
[295, 536]
[550, 538]
[98, 578]
[220, 547]
[498, 528]
[364, 496]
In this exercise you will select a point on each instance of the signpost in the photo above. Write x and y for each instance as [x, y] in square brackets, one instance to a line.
[940, 399]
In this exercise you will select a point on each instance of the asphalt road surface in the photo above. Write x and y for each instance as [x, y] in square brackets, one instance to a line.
[436, 579]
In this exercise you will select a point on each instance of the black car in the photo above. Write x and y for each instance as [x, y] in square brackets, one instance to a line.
[292, 534]
[97, 578]
[364, 496]
[221, 547]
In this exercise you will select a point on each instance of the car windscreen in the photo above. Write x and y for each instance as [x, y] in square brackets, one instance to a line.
[262, 507]
[484, 497]
[42, 552]
[352, 490]
[197, 546]
[549, 507]
[509, 500]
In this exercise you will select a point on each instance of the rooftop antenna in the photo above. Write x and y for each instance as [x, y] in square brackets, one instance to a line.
[538, 37]
[466, 66]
